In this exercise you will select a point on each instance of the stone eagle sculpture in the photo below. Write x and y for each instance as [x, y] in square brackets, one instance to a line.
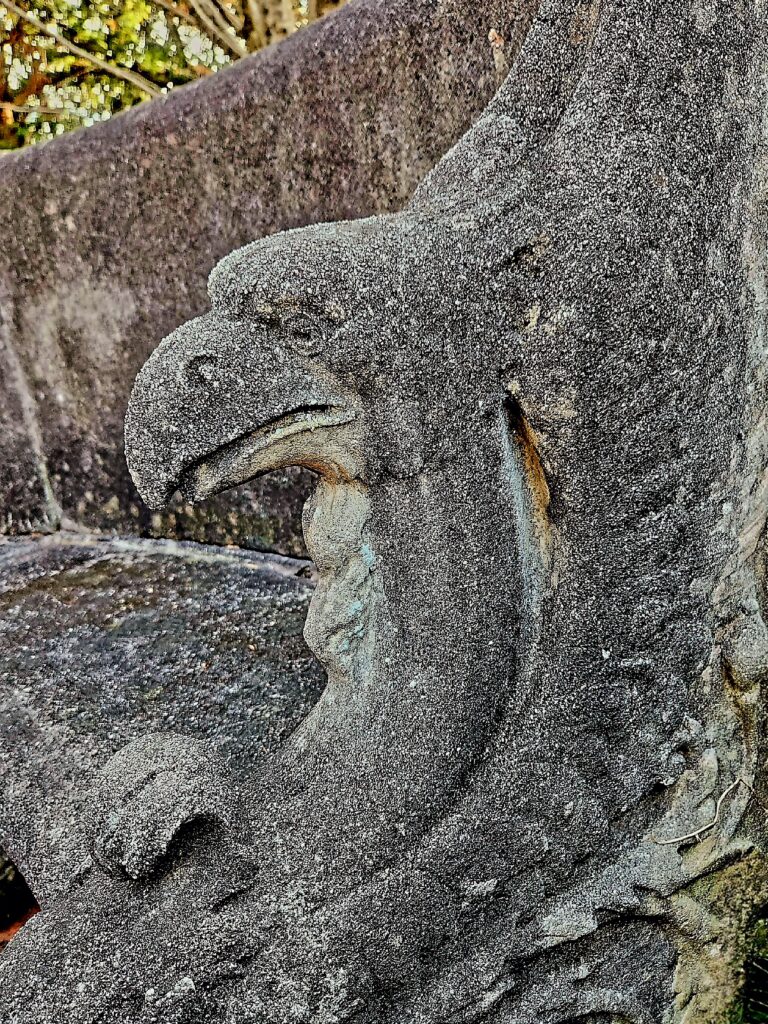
[539, 605]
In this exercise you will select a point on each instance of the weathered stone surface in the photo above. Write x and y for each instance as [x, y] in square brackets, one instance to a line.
[105, 642]
[107, 237]
[536, 402]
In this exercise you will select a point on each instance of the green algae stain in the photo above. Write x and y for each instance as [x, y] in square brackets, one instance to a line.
[751, 1006]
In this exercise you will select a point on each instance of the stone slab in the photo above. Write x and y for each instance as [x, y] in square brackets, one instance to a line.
[105, 641]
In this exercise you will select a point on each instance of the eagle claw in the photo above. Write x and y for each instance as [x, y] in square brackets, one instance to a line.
[149, 792]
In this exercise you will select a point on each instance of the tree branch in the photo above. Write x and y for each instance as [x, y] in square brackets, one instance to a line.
[176, 11]
[112, 69]
[255, 26]
[215, 12]
[232, 44]
[18, 108]
[235, 19]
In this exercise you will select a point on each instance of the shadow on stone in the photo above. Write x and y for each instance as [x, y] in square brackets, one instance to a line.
[17, 904]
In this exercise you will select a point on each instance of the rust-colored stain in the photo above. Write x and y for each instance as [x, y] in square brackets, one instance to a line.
[528, 448]
[534, 470]
[536, 479]
[8, 933]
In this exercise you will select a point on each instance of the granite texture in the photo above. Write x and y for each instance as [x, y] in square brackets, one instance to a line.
[533, 788]
[107, 237]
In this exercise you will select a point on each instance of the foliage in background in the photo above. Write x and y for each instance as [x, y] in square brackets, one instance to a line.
[67, 63]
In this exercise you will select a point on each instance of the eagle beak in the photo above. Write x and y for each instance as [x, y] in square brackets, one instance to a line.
[221, 401]
[314, 438]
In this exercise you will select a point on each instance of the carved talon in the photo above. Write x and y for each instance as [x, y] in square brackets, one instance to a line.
[147, 794]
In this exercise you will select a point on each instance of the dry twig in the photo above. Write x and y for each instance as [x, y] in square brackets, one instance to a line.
[18, 108]
[231, 42]
[177, 12]
[710, 824]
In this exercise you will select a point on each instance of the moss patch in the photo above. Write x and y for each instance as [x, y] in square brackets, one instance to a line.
[751, 1006]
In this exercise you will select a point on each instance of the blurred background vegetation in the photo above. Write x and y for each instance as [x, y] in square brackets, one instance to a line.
[68, 63]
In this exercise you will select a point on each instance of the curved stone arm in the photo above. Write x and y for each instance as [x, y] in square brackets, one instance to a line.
[533, 400]
[149, 794]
